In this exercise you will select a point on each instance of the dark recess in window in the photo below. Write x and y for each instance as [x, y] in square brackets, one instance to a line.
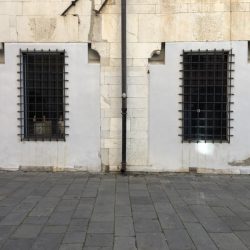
[158, 56]
[206, 96]
[93, 56]
[2, 54]
[42, 95]
[248, 55]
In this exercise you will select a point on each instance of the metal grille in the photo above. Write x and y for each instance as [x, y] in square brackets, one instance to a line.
[206, 96]
[42, 95]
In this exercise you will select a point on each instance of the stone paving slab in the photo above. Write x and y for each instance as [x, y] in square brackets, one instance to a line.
[71, 211]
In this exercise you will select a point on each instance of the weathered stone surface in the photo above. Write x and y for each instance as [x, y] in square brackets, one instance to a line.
[149, 23]
[145, 212]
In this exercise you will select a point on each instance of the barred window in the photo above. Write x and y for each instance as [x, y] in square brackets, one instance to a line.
[42, 94]
[206, 93]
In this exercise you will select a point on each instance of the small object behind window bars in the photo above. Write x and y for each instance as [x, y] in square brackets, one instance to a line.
[42, 94]
[206, 96]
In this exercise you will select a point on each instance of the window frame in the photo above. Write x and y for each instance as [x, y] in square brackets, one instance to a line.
[188, 137]
[27, 135]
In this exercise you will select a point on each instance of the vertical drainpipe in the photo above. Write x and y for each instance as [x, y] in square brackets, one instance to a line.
[124, 83]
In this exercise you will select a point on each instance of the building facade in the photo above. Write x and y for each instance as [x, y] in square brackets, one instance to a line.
[188, 71]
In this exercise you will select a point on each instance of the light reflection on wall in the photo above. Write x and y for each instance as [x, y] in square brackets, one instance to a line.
[205, 148]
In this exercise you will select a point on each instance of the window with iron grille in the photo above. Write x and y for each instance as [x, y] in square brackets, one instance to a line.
[42, 93]
[206, 96]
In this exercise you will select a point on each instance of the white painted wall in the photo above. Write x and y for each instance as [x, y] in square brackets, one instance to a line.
[82, 146]
[166, 152]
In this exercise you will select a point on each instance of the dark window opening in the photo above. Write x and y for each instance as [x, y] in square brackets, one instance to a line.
[158, 56]
[42, 95]
[93, 56]
[248, 50]
[2, 53]
[206, 96]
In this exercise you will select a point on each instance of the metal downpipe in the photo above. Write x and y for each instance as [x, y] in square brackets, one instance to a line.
[124, 83]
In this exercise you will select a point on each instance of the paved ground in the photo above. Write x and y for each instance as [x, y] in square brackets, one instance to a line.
[145, 212]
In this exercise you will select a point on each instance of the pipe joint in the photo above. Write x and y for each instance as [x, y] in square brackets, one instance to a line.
[124, 111]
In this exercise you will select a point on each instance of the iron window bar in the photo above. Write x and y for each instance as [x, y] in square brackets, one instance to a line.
[206, 96]
[42, 94]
